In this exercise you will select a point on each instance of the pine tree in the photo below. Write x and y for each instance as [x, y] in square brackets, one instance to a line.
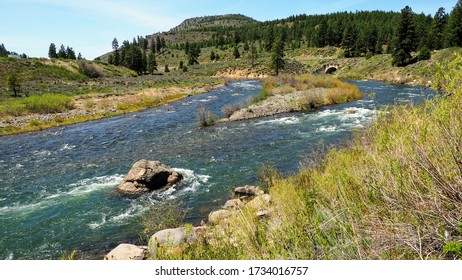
[115, 47]
[454, 36]
[269, 39]
[349, 40]
[110, 59]
[70, 53]
[79, 57]
[134, 59]
[405, 38]
[438, 27]
[158, 44]
[62, 52]
[52, 51]
[253, 54]
[193, 54]
[152, 63]
[246, 46]
[236, 52]
[277, 56]
[12, 84]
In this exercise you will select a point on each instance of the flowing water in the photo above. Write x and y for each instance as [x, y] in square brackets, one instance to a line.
[57, 186]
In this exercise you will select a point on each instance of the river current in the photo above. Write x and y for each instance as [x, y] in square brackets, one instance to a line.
[57, 185]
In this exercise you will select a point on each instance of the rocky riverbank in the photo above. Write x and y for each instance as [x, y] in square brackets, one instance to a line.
[248, 199]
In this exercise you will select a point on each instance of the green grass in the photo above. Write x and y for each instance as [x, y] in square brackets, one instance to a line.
[394, 193]
[48, 103]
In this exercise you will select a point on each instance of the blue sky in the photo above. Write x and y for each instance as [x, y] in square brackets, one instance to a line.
[29, 26]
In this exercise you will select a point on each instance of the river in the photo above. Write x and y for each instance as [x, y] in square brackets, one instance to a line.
[57, 185]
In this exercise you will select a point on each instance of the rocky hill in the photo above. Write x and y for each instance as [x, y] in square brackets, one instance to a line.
[208, 23]
[202, 28]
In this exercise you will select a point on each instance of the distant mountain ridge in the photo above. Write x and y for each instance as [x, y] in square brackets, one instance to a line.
[210, 22]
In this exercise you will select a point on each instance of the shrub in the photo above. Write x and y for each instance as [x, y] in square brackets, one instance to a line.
[35, 122]
[453, 249]
[48, 103]
[368, 55]
[172, 216]
[262, 95]
[90, 70]
[424, 54]
[206, 118]
[14, 109]
[122, 106]
[229, 110]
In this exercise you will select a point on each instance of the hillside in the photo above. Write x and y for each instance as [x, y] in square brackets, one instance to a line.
[213, 22]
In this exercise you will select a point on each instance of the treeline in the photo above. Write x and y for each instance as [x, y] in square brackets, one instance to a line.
[63, 52]
[4, 52]
[357, 33]
[139, 56]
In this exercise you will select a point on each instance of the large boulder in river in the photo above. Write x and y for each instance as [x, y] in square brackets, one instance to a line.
[146, 176]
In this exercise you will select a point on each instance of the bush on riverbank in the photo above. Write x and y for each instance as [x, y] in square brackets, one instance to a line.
[205, 117]
[395, 193]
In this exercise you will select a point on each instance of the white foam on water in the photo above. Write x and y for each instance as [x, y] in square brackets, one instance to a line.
[67, 147]
[89, 185]
[190, 183]
[191, 179]
[135, 210]
[19, 166]
[41, 153]
[10, 256]
[283, 121]
[245, 84]
[95, 225]
[80, 188]
[328, 128]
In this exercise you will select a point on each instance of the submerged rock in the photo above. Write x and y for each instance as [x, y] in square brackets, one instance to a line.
[146, 176]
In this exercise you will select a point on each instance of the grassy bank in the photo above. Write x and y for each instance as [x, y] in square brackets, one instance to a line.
[395, 193]
[338, 91]
[121, 108]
